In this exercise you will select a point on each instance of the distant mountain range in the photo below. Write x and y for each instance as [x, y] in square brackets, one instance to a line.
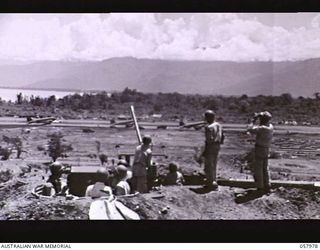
[300, 78]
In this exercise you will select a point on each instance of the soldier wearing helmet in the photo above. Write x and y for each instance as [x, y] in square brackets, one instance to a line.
[101, 186]
[121, 174]
[264, 134]
[56, 169]
[213, 139]
[123, 162]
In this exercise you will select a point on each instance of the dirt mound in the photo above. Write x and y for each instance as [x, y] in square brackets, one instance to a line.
[274, 207]
[177, 202]
[181, 203]
[55, 208]
[12, 188]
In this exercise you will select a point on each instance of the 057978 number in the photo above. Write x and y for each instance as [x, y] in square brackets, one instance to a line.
[310, 245]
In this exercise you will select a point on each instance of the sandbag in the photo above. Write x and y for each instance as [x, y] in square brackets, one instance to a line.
[104, 210]
[127, 213]
[111, 209]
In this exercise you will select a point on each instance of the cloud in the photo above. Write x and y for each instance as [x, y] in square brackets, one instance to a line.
[219, 36]
[315, 23]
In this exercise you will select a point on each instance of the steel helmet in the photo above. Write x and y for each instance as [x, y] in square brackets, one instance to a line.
[121, 171]
[122, 162]
[103, 171]
[209, 114]
[266, 114]
[103, 175]
[55, 167]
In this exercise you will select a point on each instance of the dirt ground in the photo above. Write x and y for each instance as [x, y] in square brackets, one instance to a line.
[293, 157]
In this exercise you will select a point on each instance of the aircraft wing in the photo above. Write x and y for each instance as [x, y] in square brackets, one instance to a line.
[47, 120]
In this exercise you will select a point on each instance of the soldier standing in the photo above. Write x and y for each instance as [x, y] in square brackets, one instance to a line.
[213, 139]
[141, 162]
[264, 134]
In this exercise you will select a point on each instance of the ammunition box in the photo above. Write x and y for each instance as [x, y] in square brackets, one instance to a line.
[80, 178]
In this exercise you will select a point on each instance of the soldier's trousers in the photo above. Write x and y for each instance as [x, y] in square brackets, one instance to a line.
[210, 164]
[140, 184]
[261, 170]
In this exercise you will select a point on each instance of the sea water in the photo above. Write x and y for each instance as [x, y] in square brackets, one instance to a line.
[11, 94]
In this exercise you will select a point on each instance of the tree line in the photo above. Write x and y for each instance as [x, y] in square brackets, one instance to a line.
[176, 105]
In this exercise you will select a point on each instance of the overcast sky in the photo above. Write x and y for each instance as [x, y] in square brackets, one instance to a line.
[217, 36]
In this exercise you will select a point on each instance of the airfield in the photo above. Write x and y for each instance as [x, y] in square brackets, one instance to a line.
[11, 122]
[294, 157]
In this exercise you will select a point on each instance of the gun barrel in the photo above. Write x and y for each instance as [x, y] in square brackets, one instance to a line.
[136, 126]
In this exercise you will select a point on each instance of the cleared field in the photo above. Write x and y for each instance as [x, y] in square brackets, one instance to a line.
[294, 157]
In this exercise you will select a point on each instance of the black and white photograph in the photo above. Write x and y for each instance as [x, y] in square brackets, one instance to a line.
[160, 116]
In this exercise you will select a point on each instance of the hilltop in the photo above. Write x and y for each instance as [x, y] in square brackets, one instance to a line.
[299, 78]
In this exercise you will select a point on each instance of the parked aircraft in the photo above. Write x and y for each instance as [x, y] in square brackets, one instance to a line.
[41, 121]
